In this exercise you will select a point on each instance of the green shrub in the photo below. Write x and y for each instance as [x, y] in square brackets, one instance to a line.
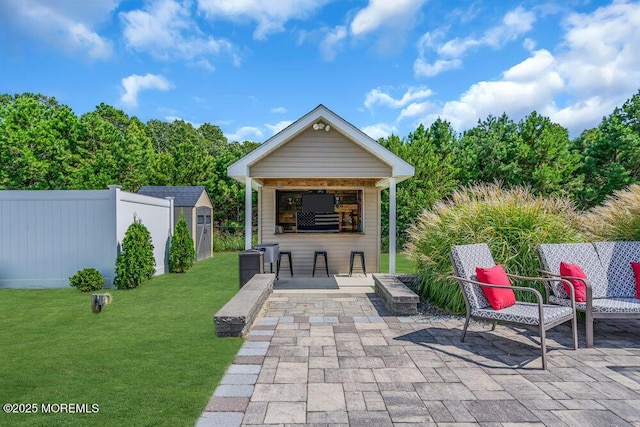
[618, 218]
[135, 263]
[511, 221]
[88, 279]
[182, 254]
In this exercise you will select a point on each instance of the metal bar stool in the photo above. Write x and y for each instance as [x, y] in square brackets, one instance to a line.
[315, 258]
[287, 253]
[362, 266]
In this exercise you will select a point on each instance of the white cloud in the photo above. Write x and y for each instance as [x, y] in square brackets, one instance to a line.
[595, 69]
[380, 130]
[270, 15]
[415, 109]
[379, 97]
[135, 83]
[332, 41]
[279, 110]
[423, 68]
[65, 24]
[278, 126]
[601, 51]
[514, 24]
[531, 84]
[385, 13]
[165, 30]
[246, 133]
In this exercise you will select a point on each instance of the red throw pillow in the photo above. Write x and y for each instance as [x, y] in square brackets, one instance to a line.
[498, 298]
[636, 272]
[574, 270]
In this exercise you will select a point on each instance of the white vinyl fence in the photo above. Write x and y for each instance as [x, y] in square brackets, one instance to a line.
[47, 236]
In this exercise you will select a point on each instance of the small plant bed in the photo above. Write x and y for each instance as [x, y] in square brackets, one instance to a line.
[150, 358]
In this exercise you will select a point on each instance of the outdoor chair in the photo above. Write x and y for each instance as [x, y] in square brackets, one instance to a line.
[466, 258]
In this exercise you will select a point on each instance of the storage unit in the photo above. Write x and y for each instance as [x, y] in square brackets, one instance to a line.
[196, 205]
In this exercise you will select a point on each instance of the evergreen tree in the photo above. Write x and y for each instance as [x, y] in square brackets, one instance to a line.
[182, 253]
[135, 264]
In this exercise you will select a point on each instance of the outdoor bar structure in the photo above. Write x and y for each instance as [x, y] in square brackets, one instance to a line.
[319, 184]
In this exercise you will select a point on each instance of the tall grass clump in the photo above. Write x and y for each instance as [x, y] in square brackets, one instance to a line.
[224, 241]
[618, 218]
[511, 221]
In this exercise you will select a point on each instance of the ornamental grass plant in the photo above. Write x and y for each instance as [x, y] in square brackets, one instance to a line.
[512, 221]
[618, 218]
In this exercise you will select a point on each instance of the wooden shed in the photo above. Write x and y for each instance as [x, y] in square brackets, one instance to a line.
[194, 201]
[319, 183]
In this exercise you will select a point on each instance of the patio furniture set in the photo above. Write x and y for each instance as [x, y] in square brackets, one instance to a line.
[600, 279]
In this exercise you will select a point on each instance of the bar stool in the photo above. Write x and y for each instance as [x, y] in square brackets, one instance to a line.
[315, 258]
[287, 253]
[362, 266]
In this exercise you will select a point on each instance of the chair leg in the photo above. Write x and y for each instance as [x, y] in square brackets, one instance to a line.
[493, 326]
[351, 264]
[326, 264]
[364, 267]
[543, 346]
[466, 325]
[589, 328]
[315, 258]
[574, 331]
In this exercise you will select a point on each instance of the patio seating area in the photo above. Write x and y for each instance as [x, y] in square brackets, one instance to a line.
[335, 356]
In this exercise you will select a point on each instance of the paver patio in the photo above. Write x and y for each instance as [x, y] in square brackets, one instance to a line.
[336, 358]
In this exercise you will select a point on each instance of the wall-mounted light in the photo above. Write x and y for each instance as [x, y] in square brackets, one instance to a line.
[320, 126]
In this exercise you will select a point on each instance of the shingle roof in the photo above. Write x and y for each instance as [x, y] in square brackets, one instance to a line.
[186, 196]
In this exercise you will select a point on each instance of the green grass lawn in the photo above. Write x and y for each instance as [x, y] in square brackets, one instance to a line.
[403, 263]
[151, 358]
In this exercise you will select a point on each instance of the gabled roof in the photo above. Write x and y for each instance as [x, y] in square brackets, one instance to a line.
[186, 196]
[401, 170]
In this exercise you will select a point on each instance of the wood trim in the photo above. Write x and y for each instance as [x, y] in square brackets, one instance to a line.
[315, 183]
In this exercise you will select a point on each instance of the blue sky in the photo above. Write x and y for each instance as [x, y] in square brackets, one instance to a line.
[254, 66]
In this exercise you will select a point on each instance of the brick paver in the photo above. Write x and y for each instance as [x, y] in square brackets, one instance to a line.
[340, 359]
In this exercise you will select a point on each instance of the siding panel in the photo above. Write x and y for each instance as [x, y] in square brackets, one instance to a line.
[318, 154]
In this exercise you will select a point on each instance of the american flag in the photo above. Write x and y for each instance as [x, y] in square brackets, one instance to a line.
[317, 221]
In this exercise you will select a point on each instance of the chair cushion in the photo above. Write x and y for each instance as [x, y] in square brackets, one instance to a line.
[526, 313]
[498, 298]
[574, 270]
[583, 254]
[603, 305]
[616, 258]
[635, 266]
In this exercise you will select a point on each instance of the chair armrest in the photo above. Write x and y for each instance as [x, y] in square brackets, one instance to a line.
[546, 281]
[487, 285]
[565, 279]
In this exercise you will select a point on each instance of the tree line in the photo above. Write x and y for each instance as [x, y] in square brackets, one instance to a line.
[533, 152]
[44, 145]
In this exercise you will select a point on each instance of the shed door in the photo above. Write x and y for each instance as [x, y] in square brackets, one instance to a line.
[203, 233]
